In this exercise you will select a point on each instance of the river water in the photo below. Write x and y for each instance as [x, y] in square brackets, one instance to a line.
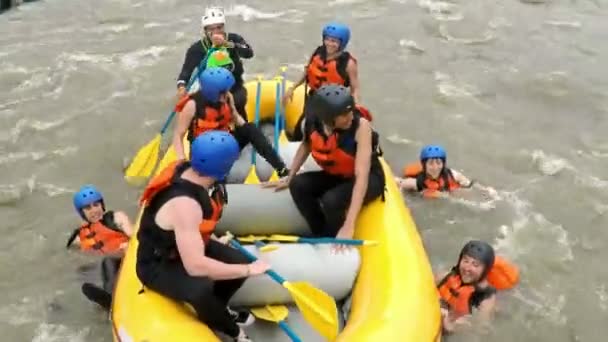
[516, 91]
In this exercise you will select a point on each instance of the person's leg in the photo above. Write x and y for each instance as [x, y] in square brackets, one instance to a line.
[239, 94]
[306, 190]
[249, 132]
[172, 280]
[336, 201]
[109, 271]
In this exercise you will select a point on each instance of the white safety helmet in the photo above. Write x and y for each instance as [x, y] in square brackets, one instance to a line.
[213, 16]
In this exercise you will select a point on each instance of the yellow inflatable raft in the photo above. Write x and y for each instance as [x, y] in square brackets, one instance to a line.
[393, 299]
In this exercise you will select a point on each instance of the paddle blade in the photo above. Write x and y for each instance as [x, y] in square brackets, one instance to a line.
[318, 308]
[252, 177]
[271, 313]
[283, 138]
[249, 238]
[144, 162]
[284, 238]
[274, 177]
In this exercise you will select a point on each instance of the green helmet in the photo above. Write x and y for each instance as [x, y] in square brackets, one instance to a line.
[220, 59]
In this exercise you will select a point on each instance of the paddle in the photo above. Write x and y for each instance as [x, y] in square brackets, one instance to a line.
[283, 136]
[318, 308]
[274, 313]
[294, 238]
[145, 160]
[277, 124]
[252, 177]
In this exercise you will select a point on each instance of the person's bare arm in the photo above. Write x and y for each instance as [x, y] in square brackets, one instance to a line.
[184, 119]
[353, 75]
[186, 214]
[123, 222]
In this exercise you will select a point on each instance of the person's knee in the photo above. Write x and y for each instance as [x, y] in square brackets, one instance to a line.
[334, 201]
[298, 185]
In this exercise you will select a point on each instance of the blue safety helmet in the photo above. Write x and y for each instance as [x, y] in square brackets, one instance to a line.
[337, 31]
[214, 153]
[87, 195]
[215, 81]
[431, 152]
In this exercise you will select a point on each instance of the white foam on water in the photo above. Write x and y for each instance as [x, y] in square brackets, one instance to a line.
[248, 13]
[448, 87]
[441, 10]
[486, 37]
[550, 165]
[564, 24]
[13, 157]
[46, 332]
[142, 57]
[397, 139]
[411, 45]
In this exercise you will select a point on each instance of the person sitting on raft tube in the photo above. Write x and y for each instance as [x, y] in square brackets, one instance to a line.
[212, 108]
[432, 178]
[472, 284]
[214, 37]
[177, 255]
[347, 149]
[330, 63]
[102, 232]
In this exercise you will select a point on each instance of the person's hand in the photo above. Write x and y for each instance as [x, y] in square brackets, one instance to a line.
[346, 232]
[279, 185]
[288, 96]
[224, 239]
[258, 267]
[230, 44]
[218, 39]
[181, 91]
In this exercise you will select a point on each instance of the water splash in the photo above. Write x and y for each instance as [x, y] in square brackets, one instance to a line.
[248, 13]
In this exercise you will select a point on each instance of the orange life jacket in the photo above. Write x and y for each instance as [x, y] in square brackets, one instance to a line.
[459, 297]
[336, 153]
[211, 205]
[430, 187]
[205, 118]
[103, 236]
[456, 295]
[320, 71]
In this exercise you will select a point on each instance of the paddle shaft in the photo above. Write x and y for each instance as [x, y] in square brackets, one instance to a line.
[198, 70]
[258, 95]
[282, 324]
[274, 275]
[277, 116]
[352, 242]
[283, 94]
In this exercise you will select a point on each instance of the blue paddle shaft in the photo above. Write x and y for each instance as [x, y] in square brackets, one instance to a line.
[292, 335]
[283, 94]
[198, 70]
[258, 96]
[274, 275]
[277, 116]
[332, 240]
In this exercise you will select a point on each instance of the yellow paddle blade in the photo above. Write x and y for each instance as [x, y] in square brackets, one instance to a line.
[283, 138]
[318, 308]
[274, 177]
[268, 248]
[252, 177]
[249, 238]
[144, 162]
[279, 237]
[271, 313]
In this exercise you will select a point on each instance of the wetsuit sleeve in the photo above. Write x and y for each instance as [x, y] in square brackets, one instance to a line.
[242, 48]
[419, 183]
[193, 57]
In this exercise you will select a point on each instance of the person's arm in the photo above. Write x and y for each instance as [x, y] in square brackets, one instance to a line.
[363, 159]
[123, 222]
[353, 75]
[409, 183]
[186, 218]
[469, 183]
[299, 159]
[184, 119]
[193, 58]
[242, 48]
[237, 118]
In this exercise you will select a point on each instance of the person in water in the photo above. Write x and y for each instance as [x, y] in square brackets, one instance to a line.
[466, 287]
[347, 149]
[101, 232]
[212, 108]
[178, 255]
[214, 37]
[432, 178]
[330, 63]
